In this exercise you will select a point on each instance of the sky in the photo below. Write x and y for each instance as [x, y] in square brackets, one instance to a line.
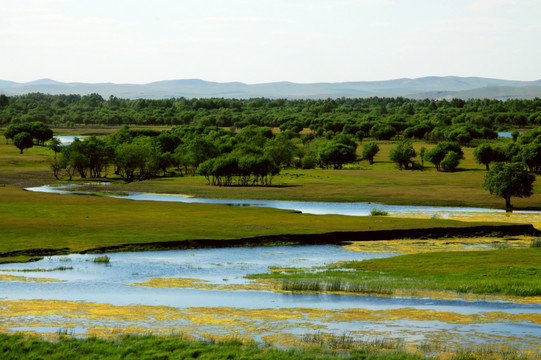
[259, 41]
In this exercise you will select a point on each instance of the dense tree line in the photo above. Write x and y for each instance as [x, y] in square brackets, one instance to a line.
[379, 118]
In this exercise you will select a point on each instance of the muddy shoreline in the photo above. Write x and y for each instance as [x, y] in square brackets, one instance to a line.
[338, 238]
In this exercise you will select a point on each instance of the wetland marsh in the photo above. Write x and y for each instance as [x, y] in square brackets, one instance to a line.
[204, 293]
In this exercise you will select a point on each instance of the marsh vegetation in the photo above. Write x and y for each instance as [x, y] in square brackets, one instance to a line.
[344, 150]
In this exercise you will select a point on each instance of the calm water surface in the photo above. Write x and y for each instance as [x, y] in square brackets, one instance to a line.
[89, 282]
[307, 207]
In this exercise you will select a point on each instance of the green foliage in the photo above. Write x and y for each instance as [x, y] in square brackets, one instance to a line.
[450, 161]
[369, 151]
[102, 259]
[438, 153]
[382, 131]
[536, 243]
[403, 154]
[508, 180]
[486, 154]
[530, 155]
[336, 153]
[377, 212]
[23, 140]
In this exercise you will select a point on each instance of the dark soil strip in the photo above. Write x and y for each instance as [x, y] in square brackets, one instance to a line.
[299, 239]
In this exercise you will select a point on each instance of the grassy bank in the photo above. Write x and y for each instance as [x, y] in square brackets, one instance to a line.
[509, 272]
[176, 347]
[75, 223]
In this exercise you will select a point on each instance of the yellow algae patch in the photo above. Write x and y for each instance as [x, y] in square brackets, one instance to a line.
[430, 315]
[202, 284]
[284, 339]
[5, 277]
[84, 310]
[271, 325]
[173, 283]
[414, 246]
[514, 217]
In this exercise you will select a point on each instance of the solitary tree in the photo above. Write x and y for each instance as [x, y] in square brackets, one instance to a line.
[369, 151]
[23, 141]
[403, 154]
[507, 180]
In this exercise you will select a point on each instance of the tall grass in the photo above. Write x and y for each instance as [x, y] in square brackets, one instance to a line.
[378, 212]
[102, 259]
[509, 272]
[16, 347]
[536, 243]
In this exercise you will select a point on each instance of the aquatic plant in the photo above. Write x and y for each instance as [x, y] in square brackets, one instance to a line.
[102, 259]
[536, 243]
[377, 212]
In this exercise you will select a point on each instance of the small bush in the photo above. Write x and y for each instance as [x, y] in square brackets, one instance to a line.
[102, 259]
[377, 212]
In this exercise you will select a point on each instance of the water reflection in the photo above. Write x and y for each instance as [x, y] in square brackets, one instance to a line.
[94, 297]
[307, 207]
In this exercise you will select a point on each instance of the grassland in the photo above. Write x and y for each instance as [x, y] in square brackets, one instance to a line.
[509, 272]
[381, 182]
[378, 183]
[176, 347]
[65, 224]
[73, 223]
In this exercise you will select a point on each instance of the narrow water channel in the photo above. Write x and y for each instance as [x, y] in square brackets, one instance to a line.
[307, 207]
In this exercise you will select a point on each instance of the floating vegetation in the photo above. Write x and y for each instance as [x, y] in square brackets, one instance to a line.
[202, 284]
[378, 212]
[414, 246]
[277, 326]
[102, 259]
[59, 268]
[5, 277]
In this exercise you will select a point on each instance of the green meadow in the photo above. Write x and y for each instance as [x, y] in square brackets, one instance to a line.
[65, 224]
[508, 272]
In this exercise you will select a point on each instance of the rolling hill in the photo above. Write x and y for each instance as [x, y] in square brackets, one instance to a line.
[426, 87]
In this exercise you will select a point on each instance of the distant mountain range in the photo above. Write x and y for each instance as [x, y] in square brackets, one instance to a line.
[433, 87]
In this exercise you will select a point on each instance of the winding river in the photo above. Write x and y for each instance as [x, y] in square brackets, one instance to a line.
[307, 207]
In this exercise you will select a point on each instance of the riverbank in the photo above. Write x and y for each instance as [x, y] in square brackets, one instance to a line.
[39, 224]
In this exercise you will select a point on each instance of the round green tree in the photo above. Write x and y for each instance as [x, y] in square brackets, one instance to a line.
[403, 154]
[508, 180]
[369, 151]
[23, 141]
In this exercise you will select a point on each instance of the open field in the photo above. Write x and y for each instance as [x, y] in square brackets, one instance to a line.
[73, 223]
[379, 183]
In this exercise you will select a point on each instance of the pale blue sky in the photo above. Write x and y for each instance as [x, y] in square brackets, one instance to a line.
[255, 41]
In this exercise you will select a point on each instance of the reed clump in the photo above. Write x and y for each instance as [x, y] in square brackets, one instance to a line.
[102, 259]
